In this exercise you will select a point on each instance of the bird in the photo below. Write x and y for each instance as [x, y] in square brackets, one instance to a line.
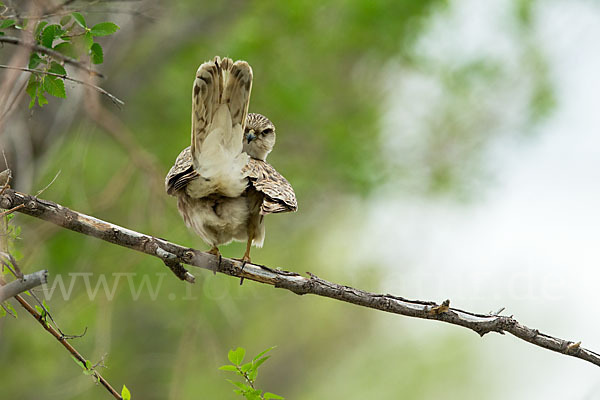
[222, 181]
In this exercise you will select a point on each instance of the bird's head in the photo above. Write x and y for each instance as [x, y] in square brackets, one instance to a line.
[259, 136]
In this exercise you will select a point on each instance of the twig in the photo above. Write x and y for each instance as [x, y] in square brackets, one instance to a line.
[48, 185]
[59, 7]
[6, 212]
[67, 346]
[50, 52]
[68, 78]
[7, 260]
[175, 254]
[18, 286]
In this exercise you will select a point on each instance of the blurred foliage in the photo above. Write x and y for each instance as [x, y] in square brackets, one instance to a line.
[331, 75]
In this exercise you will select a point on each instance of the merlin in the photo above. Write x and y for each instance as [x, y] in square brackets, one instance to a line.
[223, 184]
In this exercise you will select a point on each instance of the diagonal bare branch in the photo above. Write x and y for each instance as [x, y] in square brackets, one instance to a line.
[63, 340]
[175, 255]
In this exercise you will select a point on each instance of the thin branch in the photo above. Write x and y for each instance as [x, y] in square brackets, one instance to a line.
[50, 52]
[48, 185]
[7, 212]
[8, 261]
[18, 286]
[59, 7]
[68, 78]
[63, 340]
[174, 255]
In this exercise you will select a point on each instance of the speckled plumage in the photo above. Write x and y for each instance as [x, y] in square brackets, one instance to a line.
[222, 182]
[278, 194]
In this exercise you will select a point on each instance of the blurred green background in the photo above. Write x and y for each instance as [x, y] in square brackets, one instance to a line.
[373, 102]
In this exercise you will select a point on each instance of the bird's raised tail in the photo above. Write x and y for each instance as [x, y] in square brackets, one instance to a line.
[220, 98]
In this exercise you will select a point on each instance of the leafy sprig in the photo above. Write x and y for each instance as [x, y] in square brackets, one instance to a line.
[249, 372]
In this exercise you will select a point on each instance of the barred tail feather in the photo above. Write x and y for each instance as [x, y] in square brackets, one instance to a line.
[221, 94]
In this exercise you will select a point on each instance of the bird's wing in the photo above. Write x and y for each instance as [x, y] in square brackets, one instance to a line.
[181, 173]
[279, 194]
[219, 82]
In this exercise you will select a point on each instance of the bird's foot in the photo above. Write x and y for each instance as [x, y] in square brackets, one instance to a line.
[442, 308]
[215, 251]
[244, 260]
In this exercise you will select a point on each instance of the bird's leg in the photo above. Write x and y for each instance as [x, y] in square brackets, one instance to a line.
[215, 251]
[246, 258]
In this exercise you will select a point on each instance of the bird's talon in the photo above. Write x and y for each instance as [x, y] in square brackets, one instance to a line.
[442, 308]
[218, 265]
[215, 252]
[244, 261]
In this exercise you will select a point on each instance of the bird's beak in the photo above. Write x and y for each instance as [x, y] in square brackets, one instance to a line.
[250, 136]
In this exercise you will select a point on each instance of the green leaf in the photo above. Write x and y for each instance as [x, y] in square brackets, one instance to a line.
[33, 97]
[236, 356]
[246, 367]
[253, 395]
[1, 33]
[67, 49]
[125, 394]
[65, 20]
[263, 352]
[41, 98]
[80, 20]
[97, 54]
[57, 69]
[10, 308]
[258, 363]
[231, 368]
[34, 60]
[2, 312]
[88, 39]
[104, 29]
[7, 23]
[50, 33]
[78, 362]
[38, 28]
[82, 43]
[55, 86]
[269, 395]
[252, 375]
[241, 385]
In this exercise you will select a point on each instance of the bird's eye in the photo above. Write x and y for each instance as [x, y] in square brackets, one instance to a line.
[267, 131]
